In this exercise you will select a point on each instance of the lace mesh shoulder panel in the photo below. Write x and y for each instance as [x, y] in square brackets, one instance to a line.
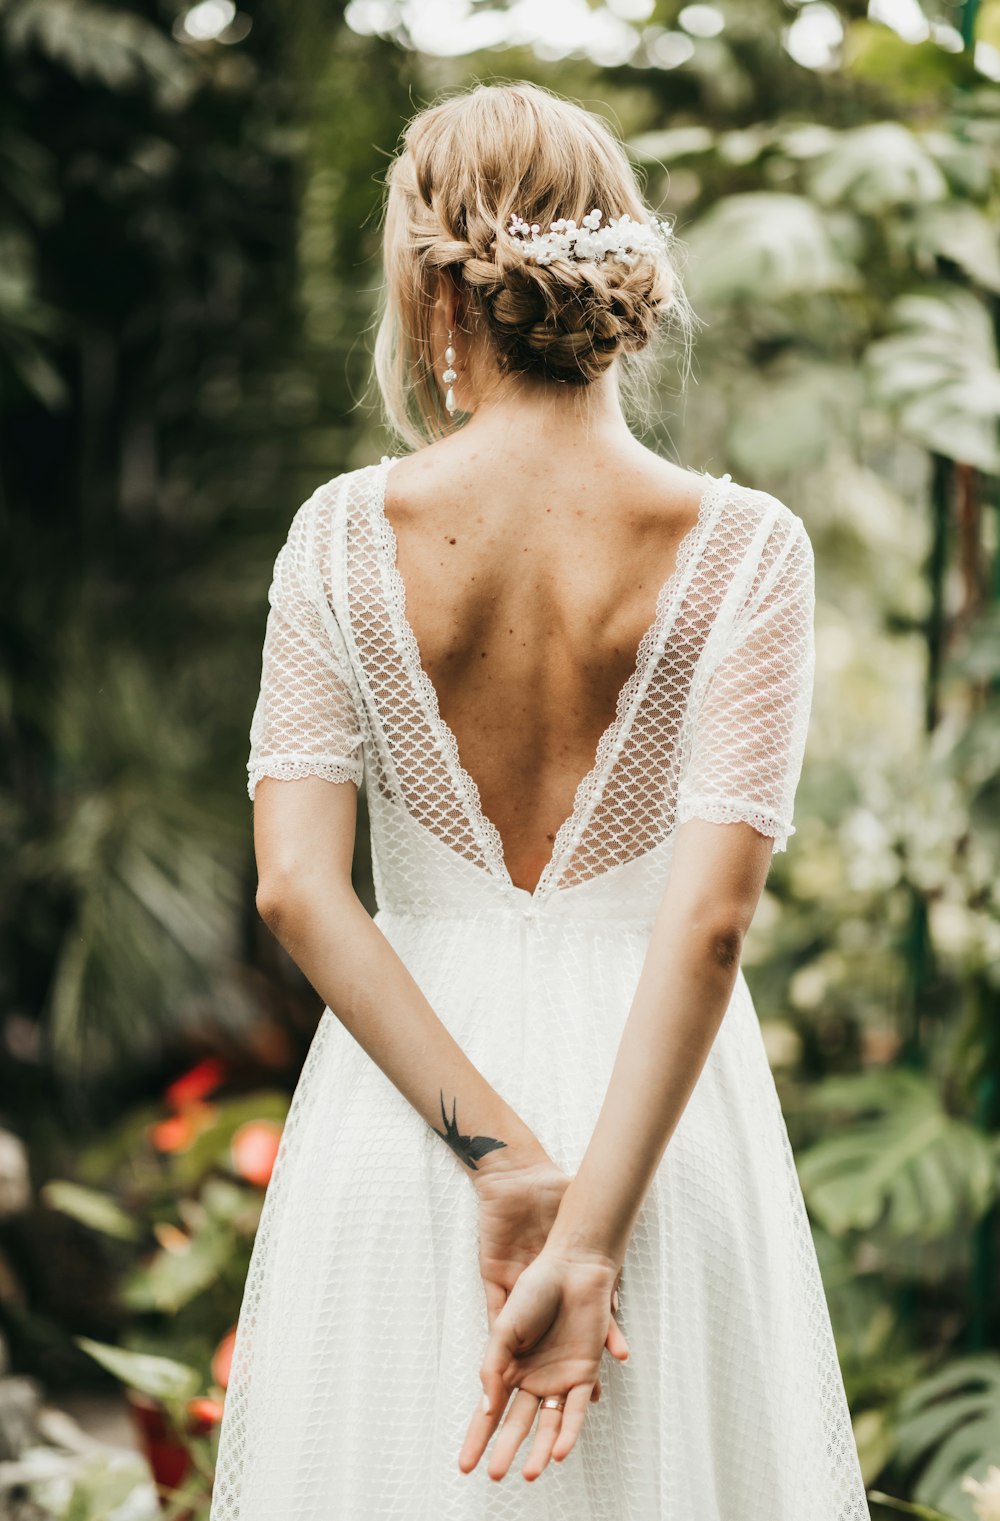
[307, 720]
[746, 728]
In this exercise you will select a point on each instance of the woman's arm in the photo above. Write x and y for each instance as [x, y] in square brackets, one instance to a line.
[736, 794]
[691, 964]
[304, 840]
[740, 760]
[548, 1337]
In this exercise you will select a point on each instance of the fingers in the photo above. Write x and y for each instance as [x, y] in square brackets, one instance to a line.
[616, 1343]
[518, 1422]
[573, 1416]
[549, 1422]
[556, 1435]
[483, 1425]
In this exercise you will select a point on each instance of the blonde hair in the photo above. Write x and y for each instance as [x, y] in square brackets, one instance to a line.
[464, 167]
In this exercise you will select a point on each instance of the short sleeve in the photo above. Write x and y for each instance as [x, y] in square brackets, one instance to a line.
[748, 732]
[306, 720]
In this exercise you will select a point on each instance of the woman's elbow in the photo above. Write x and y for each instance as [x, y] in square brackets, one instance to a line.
[724, 944]
[283, 898]
[715, 936]
[281, 894]
[269, 900]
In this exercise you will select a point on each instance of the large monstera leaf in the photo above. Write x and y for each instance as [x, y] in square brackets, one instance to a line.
[875, 168]
[949, 1426]
[964, 234]
[938, 374]
[766, 246]
[899, 1166]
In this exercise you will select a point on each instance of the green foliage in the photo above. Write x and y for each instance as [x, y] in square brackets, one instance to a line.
[173, 1278]
[159, 1377]
[949, 1426]
[146, 342]
[903, 1169]
[766, 246]
[95, 42]
[115, 1487]
[938, 374]
[175, 1195]
[93, 1209]
[905, 1508]
[875, 169]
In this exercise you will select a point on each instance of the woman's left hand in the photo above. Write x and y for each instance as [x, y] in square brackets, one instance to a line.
[517, 1207]
[547, 1340]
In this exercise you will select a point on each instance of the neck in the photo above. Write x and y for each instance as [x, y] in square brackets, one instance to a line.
[551, 413]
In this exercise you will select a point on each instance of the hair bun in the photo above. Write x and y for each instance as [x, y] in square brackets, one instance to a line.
[569, 319]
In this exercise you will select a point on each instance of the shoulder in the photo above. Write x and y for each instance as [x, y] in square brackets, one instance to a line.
[343, 494]
[759, 529]
[762, 554]
[757, 511]
[309, 531]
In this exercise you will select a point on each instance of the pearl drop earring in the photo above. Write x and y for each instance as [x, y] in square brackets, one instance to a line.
[449, 376]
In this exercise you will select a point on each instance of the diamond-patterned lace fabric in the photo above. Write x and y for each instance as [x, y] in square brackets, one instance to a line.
[355, 1371]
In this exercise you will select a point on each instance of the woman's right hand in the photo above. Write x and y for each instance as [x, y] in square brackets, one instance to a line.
[546, 1340]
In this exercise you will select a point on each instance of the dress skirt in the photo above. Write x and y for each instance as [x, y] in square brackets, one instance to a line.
[356, 1370]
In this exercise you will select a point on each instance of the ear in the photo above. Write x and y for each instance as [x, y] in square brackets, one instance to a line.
[449, 302]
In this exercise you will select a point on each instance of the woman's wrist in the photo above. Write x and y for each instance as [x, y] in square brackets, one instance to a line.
[520, 1154]
[579, 1232]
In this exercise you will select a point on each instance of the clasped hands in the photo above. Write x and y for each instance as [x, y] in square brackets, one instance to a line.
[550, 1307]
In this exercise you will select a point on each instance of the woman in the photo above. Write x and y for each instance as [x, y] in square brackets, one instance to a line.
[537, 1122]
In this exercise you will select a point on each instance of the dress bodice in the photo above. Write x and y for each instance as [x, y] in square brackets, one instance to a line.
[710, 723]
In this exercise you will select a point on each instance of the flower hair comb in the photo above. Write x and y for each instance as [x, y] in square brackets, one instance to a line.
[620, 238]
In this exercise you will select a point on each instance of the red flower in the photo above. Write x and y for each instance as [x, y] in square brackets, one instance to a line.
[222, 1359]
[196, 1084]
[204, 1412]
[254, 1149]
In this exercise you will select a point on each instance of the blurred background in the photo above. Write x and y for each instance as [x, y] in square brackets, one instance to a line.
[189, 230]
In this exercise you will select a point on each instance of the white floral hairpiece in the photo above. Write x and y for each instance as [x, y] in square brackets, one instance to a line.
[620, 238]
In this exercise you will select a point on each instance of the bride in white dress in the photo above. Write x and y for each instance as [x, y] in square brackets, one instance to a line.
[535, 1244]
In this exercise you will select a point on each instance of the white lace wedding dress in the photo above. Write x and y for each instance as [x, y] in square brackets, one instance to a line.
[364, 1319]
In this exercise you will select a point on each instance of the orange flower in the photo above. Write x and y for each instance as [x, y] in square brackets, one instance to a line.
[196, 1084]
[222, 1359]
[180, 1130]
[204, 1412]
[254, 1149]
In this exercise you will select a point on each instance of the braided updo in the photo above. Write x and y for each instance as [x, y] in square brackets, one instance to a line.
[466, 166]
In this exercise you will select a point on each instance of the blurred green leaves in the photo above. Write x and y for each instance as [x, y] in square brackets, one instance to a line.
[938, 375]
[875, 169]
[762, 246]
[160, 1377]
[97, 1211]
[895, 1165]
[949, 1426]
[117, 48]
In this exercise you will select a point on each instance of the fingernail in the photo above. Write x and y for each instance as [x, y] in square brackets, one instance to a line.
[614, 1301]
[486, 1403]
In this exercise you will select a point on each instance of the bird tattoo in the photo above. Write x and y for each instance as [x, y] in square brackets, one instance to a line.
[467, 1147]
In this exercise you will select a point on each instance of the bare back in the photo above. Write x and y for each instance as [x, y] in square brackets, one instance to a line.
[530, 583]
[605, 651]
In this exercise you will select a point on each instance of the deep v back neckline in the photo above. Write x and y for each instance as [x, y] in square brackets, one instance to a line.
[590, 786]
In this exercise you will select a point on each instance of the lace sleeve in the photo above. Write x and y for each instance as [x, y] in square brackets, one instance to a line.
[305, 722]
[748, 733]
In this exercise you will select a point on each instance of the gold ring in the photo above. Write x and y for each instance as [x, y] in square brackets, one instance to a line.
[552, 1402]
